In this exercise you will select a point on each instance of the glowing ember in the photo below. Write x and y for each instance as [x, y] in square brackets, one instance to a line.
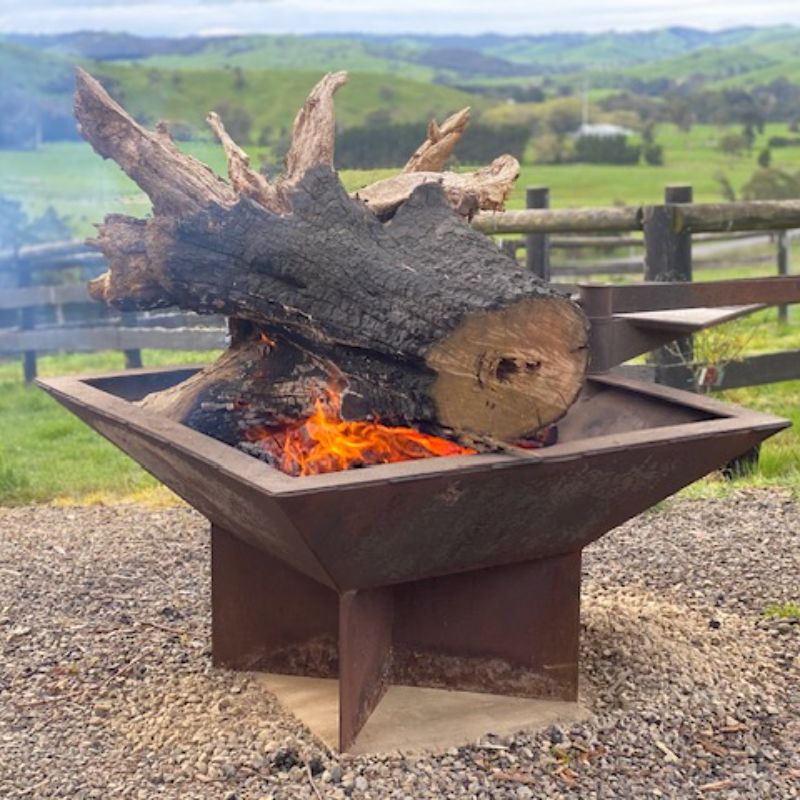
[326, 443]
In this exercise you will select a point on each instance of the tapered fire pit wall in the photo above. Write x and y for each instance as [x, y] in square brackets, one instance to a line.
[459, 572]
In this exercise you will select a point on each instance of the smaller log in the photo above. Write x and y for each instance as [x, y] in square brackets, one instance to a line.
[273, 380]
[432, 154]
[485, 189]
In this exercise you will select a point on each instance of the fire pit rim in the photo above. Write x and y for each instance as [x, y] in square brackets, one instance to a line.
[78, 389]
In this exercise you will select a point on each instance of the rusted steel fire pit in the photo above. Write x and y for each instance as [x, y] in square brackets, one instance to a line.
[459, 572]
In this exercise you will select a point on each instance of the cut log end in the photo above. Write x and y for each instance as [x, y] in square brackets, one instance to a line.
[509, 373]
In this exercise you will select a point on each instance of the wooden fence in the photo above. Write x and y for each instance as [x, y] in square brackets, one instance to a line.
[61, 316]
[668, 231]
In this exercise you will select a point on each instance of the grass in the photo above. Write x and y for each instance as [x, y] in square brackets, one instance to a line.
[788, 610]
[71, 178]
[48, 454]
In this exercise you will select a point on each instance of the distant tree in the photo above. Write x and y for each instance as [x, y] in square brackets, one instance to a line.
[181, 131]
[653, 154]
[564, 115]
[20, 120]
[379, 117]
[522, 94]
[17, 229]
[731, 144]
[749, 135]
[606, 150]
[680, 112]
[772, 184]
[765, 158]
[265, 138]
[551, 149]
[237, 121]
[12, 223]
[725, 187]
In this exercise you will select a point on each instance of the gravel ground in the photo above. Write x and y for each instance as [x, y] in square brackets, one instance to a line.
[106, 689]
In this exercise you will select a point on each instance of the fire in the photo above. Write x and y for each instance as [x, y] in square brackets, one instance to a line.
[324, 442]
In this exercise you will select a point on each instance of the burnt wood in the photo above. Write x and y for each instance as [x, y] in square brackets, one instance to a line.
[417, 317]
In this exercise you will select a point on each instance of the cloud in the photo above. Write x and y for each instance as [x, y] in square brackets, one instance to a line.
[183, 17]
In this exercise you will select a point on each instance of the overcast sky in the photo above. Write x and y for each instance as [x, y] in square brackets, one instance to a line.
[184, 17]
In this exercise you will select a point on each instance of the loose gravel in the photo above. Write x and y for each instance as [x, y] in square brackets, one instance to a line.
[106, 688]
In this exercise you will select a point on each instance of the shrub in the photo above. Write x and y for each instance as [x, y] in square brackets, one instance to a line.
[391, 145]
[732, 144]
[606, 150]
[783, 141]
[552, 149]
[237, 121]
[772, 184]
[653, 154]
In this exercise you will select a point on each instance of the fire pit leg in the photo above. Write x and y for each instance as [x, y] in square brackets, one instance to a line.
[505, 630]
[267, 616]
[365, 647]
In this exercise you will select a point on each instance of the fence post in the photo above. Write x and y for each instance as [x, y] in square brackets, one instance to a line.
[27, 319]
[784, 243]
[133, 358]
[537, 245]
[668, 257]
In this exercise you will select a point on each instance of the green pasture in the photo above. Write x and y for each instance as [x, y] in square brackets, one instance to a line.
[80, 185]
[47, 454]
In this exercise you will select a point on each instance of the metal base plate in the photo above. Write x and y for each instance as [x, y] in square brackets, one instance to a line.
[411, 719]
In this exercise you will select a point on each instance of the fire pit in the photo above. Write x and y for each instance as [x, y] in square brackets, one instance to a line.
[459, 572]
[376, 327]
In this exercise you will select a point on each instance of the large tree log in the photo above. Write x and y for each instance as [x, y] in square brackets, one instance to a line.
[420, 318]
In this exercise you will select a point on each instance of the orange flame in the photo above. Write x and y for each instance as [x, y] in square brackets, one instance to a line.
[324, 442]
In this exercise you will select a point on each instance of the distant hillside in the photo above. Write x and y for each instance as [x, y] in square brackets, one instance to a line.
[271, 98]
[257, 82]
[34, 96]
[444, 58]
[36, 99]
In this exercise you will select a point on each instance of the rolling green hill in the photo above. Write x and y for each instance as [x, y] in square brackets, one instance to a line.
[451, 58]
[32, 71]
[273, 97]
[301, 53]
[41, 83]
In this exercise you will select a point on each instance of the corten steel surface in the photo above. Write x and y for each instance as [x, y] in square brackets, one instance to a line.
[631, 319]
[461, 572]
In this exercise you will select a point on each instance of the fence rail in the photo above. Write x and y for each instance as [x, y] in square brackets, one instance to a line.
[665, 234]
[765, 215]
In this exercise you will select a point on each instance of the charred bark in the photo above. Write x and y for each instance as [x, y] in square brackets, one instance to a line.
[421, 319]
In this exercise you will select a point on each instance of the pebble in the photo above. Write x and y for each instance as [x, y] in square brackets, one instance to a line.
[677, 649]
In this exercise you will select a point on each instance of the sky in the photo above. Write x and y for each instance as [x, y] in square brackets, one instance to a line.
[210, 17]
